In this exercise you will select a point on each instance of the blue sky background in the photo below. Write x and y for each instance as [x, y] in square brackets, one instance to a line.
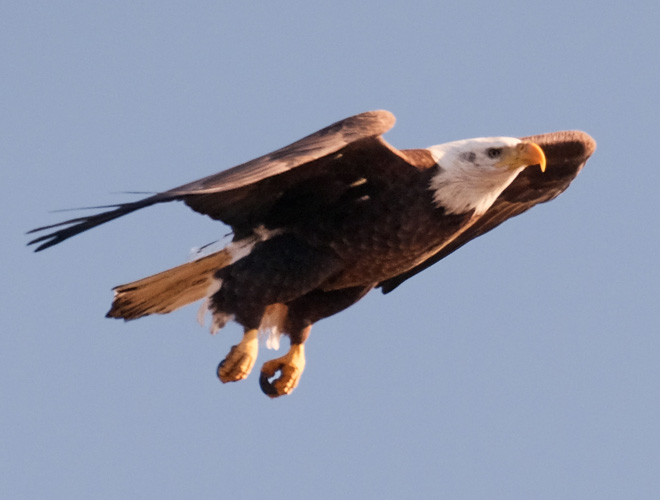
[526, 365]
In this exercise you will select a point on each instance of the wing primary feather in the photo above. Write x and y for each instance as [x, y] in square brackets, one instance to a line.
[81, 224]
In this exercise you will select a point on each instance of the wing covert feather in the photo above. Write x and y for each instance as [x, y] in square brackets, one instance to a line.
[317, 145]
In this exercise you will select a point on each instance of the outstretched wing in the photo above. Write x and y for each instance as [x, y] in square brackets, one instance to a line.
[235, 184]
[566, 154]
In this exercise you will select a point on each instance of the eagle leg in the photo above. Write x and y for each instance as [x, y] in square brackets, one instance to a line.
[238, 364]
[290, 366]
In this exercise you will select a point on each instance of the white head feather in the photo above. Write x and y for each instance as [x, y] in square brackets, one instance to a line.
[473, 172]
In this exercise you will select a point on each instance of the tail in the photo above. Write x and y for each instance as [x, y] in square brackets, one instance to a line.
[165, 292]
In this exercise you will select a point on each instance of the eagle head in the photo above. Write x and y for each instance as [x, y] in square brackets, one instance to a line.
[471, 173]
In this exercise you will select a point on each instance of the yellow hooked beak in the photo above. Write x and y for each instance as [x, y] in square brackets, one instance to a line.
[523, 154]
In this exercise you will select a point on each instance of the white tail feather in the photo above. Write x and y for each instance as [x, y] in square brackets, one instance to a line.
[169, 290]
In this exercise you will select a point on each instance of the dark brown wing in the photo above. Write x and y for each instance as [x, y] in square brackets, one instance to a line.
[566, 154]
[211, 195]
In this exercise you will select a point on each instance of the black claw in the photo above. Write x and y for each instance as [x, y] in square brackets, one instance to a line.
[267, 388]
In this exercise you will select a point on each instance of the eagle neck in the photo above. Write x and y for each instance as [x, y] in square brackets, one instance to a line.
[460, 190]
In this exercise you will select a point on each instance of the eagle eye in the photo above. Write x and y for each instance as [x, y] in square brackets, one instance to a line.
[494, 153]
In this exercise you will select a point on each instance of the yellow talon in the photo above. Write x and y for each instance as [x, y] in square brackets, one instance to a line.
[290, 366]
[241, 358]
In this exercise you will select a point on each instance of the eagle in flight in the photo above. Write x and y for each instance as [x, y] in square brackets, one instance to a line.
[321, 222]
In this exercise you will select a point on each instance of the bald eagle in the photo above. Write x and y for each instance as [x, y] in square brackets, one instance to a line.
[321, 222]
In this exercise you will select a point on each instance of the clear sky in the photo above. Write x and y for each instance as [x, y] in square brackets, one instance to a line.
[525, 366]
